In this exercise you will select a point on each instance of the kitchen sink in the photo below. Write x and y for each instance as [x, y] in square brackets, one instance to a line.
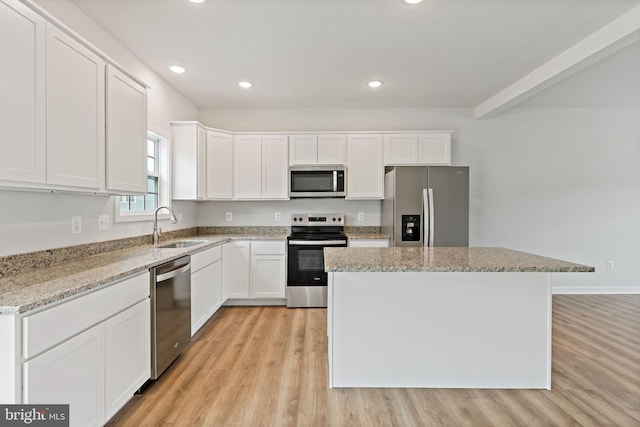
[181, 244]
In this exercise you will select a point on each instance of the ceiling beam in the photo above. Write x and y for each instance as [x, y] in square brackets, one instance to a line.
[612, 37]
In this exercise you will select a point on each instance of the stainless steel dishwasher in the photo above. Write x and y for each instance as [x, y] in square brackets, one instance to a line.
[170, 313]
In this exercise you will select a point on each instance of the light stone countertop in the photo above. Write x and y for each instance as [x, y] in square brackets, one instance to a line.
[25, 292]
[441, 259]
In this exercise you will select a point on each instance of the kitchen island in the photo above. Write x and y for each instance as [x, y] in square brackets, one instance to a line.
[440, 317]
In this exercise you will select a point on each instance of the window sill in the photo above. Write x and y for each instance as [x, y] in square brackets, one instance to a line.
[139, 216]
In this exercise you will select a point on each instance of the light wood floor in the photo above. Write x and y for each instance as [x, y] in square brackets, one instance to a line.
[267, 366]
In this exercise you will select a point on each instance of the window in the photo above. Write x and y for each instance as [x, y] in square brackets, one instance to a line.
[140, 207]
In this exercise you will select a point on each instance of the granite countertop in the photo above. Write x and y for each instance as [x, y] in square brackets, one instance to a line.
[441, 259]
[25, 292]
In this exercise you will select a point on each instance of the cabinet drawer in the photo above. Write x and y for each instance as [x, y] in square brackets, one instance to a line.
[268, 248]
[50, 327]
[206, 257]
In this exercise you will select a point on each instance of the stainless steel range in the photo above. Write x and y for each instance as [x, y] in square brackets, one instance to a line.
[306, 278]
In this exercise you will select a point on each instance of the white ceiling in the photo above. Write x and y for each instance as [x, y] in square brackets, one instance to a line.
[320, 53]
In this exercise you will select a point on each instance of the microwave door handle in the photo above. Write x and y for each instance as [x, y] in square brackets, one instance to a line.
[335, 181]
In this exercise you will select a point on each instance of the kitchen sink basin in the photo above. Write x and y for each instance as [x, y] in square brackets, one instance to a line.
[181, 244]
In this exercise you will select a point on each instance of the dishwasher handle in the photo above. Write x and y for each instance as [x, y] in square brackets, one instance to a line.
[177, 270]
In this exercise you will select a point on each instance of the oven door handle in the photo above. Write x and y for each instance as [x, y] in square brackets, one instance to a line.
[317, 243]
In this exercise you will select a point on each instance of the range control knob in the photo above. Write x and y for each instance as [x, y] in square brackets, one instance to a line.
[334, 220]
[295, 219]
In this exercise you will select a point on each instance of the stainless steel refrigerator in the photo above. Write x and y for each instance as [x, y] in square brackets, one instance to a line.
[426, 206]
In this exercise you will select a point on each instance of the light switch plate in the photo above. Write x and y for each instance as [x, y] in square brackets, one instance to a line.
[103, 222]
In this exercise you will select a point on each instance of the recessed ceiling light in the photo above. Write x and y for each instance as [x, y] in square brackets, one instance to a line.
[375, 83]
[198, 1]
[406, 1]
[245, 85]
[177, 69]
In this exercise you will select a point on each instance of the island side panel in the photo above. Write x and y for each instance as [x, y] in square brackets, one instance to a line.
[9, 386]
[440, 330]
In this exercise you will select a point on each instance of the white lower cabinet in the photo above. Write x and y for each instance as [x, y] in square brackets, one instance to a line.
[96, 370]
[127, 350]
[255, 270]
[206, 286]
[268, 276]
[235, 268]
[71, 373]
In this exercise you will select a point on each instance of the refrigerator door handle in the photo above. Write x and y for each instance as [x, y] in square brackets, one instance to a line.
[432, 218]
[425, 217]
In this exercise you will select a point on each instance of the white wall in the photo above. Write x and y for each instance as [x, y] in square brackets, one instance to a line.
[36, 221]
[560, 182]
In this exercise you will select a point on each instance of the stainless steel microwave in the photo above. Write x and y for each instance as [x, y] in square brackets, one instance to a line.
[317, 181]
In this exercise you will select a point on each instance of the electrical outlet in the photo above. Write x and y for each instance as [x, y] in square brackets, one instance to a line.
[229, 216]
[103, 222]
[278, 216]
[610, 265]
[360, 216]
[76, 224]
[179, 217]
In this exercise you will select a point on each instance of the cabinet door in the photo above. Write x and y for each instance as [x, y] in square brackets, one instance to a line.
[126, 134]
[201, 167]
[268, 276]
[71, 373]
[303, 149]
[219, 165]
[435, 148]
[127, 350]
[275, 167]
[401, 149]
[248, 167]
[214, 294]
[365, 169]
[235, 268]
[199, 309]
[22, 85]
[332, 149]
[184, 161]
[75, 113]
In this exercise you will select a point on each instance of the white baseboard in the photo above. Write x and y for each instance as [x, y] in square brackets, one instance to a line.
[255, 302]
[560, 290]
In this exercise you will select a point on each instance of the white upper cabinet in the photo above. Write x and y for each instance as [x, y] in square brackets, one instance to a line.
[303, 150]
[332, 149]
[22, 85]
[410, 149]
[434, 148]
[189, 157]
[126, 134]
[219, 166]
[275, 167]
[365, 167]
[261, 167]
[317, 149]
[248, 167]
[75, 113]
[61, 130]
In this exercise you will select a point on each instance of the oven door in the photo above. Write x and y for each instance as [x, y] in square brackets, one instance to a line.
[306, 262]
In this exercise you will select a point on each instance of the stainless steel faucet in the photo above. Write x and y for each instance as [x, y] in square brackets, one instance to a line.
[157, 232]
